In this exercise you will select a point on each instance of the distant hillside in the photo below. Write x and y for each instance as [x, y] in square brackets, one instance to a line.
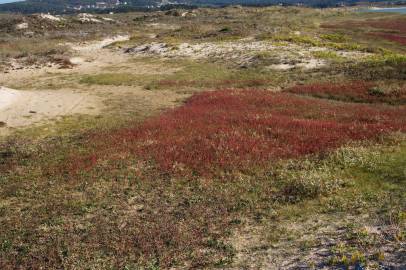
[69, 6]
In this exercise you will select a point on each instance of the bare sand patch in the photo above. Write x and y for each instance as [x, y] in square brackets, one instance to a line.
[51, 17]
[88, 57]
[97, 45]
[77, 60]
[244, 52]
[24, 108]
[7, 97]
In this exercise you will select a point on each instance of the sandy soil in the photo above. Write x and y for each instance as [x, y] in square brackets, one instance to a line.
[36, 103]
[243, 52]
[7, 97]
[24, 108]
[94, 46]
[87, 57]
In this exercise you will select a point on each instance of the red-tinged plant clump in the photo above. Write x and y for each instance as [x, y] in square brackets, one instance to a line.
[391, 37]
[398, 25]
[357, 91]
[229, 130]
[391, 29]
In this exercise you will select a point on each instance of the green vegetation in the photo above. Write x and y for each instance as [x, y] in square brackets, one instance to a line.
[328, 55]
[315, 172]
[116, 79]
[189, 75]
[207, 75]
[388, 58]
[334, 37]
[295, 39]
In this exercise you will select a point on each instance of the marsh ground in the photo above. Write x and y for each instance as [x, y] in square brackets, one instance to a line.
[235, 138]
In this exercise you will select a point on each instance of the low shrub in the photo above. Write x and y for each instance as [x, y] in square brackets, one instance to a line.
[240, 130]
[392, 29]
[329, 55]
[298, 39]
[310, 182]
[336, 37]
[356, 91]
[391, 37]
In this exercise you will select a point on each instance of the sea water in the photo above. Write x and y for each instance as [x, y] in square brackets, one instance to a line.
[401, 10]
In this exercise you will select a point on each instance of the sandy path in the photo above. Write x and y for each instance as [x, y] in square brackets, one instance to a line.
[24, 108]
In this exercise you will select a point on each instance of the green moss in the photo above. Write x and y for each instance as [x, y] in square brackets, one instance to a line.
[328, 55]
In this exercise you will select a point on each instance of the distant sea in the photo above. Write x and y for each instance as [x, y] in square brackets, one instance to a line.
[401, 10]
[9, 1]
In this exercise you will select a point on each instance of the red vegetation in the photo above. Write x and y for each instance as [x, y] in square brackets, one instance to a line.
[391, 37]
[395, 25]
[392, 29]
[357, 91]
[236, 130]
[398, 25]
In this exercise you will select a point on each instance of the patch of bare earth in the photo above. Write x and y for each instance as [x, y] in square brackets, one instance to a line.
[24, 108]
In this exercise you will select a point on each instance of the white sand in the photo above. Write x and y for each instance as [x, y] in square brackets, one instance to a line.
[23, 108]
[94, 46]
[50, 17]
[7, 97]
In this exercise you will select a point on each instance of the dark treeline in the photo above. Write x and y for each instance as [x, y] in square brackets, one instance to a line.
[67, 6]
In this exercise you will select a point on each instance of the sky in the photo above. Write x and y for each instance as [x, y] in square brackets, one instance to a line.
[9, 1]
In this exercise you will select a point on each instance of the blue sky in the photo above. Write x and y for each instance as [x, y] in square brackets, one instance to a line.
[9, 1]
